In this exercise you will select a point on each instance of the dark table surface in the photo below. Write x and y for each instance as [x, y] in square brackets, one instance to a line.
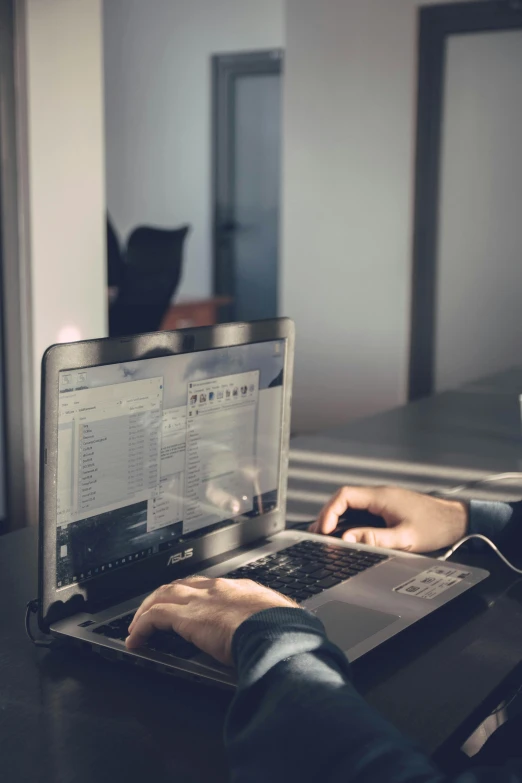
[71, 716]
[432, 444]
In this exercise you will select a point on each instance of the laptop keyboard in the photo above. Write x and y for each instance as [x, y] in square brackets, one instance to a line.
[306, 569]
[167, 642]
[299, 572]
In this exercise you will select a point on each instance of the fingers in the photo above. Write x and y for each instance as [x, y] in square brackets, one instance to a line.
[206, 612]
[361, 498]
[388, 538]
[174, 593]
[160, 617]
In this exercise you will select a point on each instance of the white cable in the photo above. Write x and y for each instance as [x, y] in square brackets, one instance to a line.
[487, 541]
[485, 480]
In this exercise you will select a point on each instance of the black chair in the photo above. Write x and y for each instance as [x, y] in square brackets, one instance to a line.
[150, 277]
[114, 257]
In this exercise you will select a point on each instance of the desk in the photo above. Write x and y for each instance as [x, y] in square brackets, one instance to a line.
[76, 717]
[79, 718]
[435, 443]
[66, 718]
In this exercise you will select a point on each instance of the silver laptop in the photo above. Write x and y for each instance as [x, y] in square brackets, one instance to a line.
[164, 455]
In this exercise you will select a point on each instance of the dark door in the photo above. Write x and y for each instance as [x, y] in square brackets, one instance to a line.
[247, 179]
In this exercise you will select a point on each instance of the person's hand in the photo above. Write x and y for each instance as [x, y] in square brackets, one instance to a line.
[415, 523]
[206, 612]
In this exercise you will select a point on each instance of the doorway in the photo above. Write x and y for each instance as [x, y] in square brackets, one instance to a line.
[467, 272]
[247, 182]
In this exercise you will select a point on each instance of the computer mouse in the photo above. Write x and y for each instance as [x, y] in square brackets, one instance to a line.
[355, 518]
[352, 518]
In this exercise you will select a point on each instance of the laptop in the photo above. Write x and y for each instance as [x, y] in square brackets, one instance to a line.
[165, 455]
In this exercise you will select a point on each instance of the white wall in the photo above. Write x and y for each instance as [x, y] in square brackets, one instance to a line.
[348, 173]
[65, 173]
[158, 111]
[479, 326]
[349, 143]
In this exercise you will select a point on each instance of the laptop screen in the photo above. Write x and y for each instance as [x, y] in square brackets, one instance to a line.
[158, 449]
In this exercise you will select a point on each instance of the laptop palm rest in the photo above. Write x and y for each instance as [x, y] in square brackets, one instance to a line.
[348, 624]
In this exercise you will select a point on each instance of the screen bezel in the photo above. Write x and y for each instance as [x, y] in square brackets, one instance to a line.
[139, 577]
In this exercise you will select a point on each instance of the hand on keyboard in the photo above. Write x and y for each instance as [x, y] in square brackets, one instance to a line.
[298, 572]
[166, 642]
[203, 611]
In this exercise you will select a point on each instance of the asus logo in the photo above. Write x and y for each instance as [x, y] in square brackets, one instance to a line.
[177, 558]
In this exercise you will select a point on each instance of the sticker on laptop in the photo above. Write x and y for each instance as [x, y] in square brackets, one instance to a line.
[431, 583]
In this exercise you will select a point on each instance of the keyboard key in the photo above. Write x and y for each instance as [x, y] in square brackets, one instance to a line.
[321, 574]
[305, 580]
[330, 581]
[297, 561]
[349, 557]
[347, 562]
[102, 629]
[287, 580]
[118, 623]
[118, 633]
[308, 568]
[172, 644]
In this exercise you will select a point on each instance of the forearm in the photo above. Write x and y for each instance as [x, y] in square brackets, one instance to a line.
[297, 717]
[501, 522]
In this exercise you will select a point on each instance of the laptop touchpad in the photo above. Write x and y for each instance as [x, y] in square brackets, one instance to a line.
[348, 624]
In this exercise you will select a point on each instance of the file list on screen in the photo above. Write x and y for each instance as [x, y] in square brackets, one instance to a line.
[161, 448]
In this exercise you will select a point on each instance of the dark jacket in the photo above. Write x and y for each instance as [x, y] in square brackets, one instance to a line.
[297, 717]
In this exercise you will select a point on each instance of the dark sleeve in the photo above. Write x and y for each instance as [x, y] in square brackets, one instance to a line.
[296, 717]
[501, 522]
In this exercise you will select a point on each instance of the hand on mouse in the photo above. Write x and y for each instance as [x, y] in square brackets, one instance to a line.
[206, 612]
[415, 522]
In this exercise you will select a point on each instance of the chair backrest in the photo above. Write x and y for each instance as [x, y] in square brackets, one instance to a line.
[151, 276]
[114, 257]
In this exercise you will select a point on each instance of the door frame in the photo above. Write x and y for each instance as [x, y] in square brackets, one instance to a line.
[226, 69]
[436, 24]
[17, 376]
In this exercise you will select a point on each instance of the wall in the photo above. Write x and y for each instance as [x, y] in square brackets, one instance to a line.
[349, 143]
[348, 172]
[479, 328]
[158, 110]
[65, 173]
